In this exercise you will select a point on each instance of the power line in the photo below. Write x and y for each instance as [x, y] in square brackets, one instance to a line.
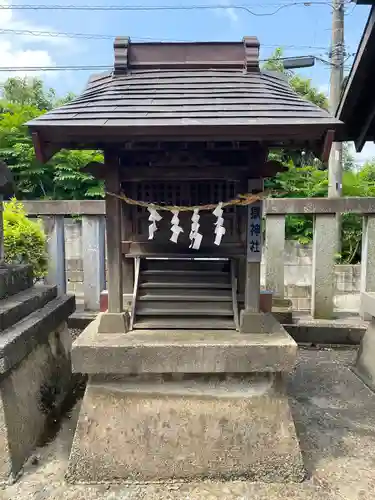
[96, 67]
[54, 68]
[97, 36]
[145, 8]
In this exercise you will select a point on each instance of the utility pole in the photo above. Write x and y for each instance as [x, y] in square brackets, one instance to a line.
[337, 76]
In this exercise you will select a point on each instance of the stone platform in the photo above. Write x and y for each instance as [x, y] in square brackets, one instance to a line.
[365, 363]
[334, 414]
[35, 372]
[185, 405]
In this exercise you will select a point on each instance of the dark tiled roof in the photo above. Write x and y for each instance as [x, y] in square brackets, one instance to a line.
[211, 91]
[156, 98]
[357, 105]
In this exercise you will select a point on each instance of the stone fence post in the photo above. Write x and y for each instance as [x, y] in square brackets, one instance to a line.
[368, 259]
[274, 254]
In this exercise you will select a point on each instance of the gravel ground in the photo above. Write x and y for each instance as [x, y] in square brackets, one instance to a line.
[335, 420]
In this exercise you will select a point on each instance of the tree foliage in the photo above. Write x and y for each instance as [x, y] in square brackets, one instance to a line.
[28, 92]
[303, 86]
[62, 177]
[24, 239]
[310, 182]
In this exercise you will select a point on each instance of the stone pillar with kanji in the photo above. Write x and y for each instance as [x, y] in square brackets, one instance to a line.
[251, 318]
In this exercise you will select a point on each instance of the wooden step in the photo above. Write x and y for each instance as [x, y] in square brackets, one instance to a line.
[183, 284]
[184, 324]
[157, 308]
[185, 264]
[186, 278]
[184, 272]
[186, 295]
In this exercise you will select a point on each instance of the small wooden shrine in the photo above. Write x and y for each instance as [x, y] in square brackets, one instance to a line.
[177, 389]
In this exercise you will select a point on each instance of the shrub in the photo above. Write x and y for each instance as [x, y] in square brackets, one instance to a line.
[24, 239]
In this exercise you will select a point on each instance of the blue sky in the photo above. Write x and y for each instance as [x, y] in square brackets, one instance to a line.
[306, 28]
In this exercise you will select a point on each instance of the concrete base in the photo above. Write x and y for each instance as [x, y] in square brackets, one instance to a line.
[257, 322]
[29, 392]
[149, 428]
[182, 351]
[113, 322]
[365, 363]
[185, 404]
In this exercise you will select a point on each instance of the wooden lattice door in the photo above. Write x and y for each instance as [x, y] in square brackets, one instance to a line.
[183, 193]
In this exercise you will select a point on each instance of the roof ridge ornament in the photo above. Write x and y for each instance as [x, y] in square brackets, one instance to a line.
[121, 47]
[251, 45]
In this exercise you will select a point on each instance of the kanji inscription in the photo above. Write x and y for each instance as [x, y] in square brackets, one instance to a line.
[254, 233]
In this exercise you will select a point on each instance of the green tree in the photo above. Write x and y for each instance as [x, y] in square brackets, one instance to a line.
[305, 88]
[310, 182]
[28, 92]
[302, 86]
[62, 177]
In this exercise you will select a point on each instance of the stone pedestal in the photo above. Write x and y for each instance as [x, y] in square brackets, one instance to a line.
[35, 372]
[365, 363]
[185, 405]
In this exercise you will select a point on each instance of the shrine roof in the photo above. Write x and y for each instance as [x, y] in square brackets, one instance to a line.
[357, 105]
[186, 90]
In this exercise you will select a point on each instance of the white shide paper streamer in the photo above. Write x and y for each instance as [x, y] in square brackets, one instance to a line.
[153, 218]
[219, 224]
[195, 236]
[176, 228]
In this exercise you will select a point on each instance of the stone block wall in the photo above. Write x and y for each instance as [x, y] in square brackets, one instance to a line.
[298, 273]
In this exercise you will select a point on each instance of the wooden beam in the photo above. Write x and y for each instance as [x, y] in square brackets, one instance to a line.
[43, 151]
[38, 147]
[327, 145]
[187, 174]
[96, 169]
[113, 229]
[361, 137]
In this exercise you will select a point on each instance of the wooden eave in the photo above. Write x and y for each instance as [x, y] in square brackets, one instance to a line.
[205, 92]
[357, 105]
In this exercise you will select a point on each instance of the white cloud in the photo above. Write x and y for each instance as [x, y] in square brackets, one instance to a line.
[324, 88]
[12, 57]
[8, 21]
[18, 50]
[229, 12]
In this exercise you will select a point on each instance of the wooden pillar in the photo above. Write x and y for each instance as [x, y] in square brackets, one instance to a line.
[127, 264]
[113, 230]
[254, 249]
[251, 319]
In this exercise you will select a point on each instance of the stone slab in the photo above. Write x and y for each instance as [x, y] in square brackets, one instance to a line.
[283, 315]
[365, 363]
[16, 307]
[19, 340]
[14, 279]
[190, 429]
[182, 351]
[364, 366]
[29, 393]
